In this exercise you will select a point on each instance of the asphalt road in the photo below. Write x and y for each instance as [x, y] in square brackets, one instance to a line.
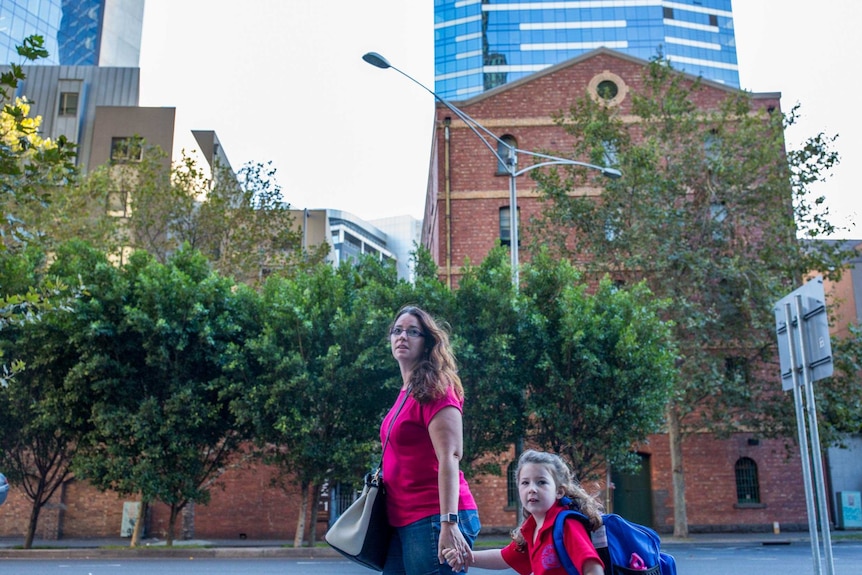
[692, 559]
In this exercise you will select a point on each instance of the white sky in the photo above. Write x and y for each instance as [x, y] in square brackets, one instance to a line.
[283, 81]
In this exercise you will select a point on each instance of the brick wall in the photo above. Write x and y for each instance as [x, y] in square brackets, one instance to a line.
[711, 498]
[89, 512]
[246, 505]
[249, 504]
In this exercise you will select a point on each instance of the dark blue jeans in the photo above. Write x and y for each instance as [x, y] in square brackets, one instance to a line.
[413, 549]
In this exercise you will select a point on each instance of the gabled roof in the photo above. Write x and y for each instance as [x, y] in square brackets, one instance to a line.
[593, 54]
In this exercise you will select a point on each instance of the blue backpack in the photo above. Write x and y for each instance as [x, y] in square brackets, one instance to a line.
[626, 549]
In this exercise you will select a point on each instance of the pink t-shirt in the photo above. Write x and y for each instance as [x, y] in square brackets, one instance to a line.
[410, 463]
[540, 557]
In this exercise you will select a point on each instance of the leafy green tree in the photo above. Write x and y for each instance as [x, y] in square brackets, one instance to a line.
[19, 300]
[604, 369]
[707, 214]
[43, 418]
[153, 348]
[31, 168]
[240, 222]
[585, 375]
[249, 229]
[491, 342]
[839, 398]
[141, 195]
[37, 438]
[320, 375]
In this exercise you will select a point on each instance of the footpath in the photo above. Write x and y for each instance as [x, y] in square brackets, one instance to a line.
[111, 548]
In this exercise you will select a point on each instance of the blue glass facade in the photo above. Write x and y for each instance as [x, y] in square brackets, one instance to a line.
[481, 44]
[74, 30]
[79, 35]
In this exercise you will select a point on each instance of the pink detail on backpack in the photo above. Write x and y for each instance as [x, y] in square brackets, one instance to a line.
[637, 563]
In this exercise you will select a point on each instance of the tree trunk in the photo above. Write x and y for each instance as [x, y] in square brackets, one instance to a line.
[315, 509]
[34, 520]
[139, 524]
[303, 509]
[175, 512]
[680, 515]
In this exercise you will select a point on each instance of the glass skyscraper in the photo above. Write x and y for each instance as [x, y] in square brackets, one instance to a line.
[481, 44]
[76, 32]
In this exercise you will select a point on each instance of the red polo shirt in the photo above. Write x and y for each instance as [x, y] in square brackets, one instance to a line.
[540, 558]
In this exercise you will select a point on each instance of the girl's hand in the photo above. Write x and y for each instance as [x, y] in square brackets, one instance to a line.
[452, 556]
[457, 560]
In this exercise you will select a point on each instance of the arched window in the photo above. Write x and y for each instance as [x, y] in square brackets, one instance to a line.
[503, 152]
[512, 485]
[747, 485]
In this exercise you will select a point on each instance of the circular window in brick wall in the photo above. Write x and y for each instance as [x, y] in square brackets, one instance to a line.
[607, 88]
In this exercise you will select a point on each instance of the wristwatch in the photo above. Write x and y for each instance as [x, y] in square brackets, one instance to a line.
[449, 518]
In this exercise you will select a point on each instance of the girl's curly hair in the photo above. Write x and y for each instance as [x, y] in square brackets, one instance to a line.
[563, 477]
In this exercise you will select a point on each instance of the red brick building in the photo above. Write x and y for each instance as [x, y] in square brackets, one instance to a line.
[466, 214]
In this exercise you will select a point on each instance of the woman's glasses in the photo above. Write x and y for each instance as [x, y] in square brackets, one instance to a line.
[410, 331]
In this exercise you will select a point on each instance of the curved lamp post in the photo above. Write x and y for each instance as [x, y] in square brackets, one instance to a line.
[510, 162]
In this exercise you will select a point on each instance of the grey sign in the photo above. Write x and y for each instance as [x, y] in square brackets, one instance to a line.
[814, 326]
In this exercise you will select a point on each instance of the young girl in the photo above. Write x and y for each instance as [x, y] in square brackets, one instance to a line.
[543, 479]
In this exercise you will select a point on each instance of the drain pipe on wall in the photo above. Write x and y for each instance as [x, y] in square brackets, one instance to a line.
[447, 175]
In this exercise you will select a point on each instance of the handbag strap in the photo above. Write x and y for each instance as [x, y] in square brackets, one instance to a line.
[389, 430]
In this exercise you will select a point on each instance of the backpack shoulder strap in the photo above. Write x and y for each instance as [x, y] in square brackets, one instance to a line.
[559, 543]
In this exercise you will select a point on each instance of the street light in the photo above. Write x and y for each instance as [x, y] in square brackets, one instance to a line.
[510, 162]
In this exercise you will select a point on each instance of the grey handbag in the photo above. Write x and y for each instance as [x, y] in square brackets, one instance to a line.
[363, 531]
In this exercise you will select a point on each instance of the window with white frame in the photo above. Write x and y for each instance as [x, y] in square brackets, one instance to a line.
[68, 104]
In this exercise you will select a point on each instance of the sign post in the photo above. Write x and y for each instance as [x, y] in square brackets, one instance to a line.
[805, 355]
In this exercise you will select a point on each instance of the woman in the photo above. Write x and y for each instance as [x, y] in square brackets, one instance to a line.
[428, 500]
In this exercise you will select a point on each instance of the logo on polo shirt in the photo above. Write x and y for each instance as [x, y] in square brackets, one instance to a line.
[549, 557]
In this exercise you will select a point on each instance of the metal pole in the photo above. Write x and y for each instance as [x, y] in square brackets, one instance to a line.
[511, 162]
[512, 167]
[513, 217]
[803, 442]
[305, 229]
[817, 461]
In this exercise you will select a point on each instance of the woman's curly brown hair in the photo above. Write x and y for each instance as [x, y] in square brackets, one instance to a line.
[437, 369]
